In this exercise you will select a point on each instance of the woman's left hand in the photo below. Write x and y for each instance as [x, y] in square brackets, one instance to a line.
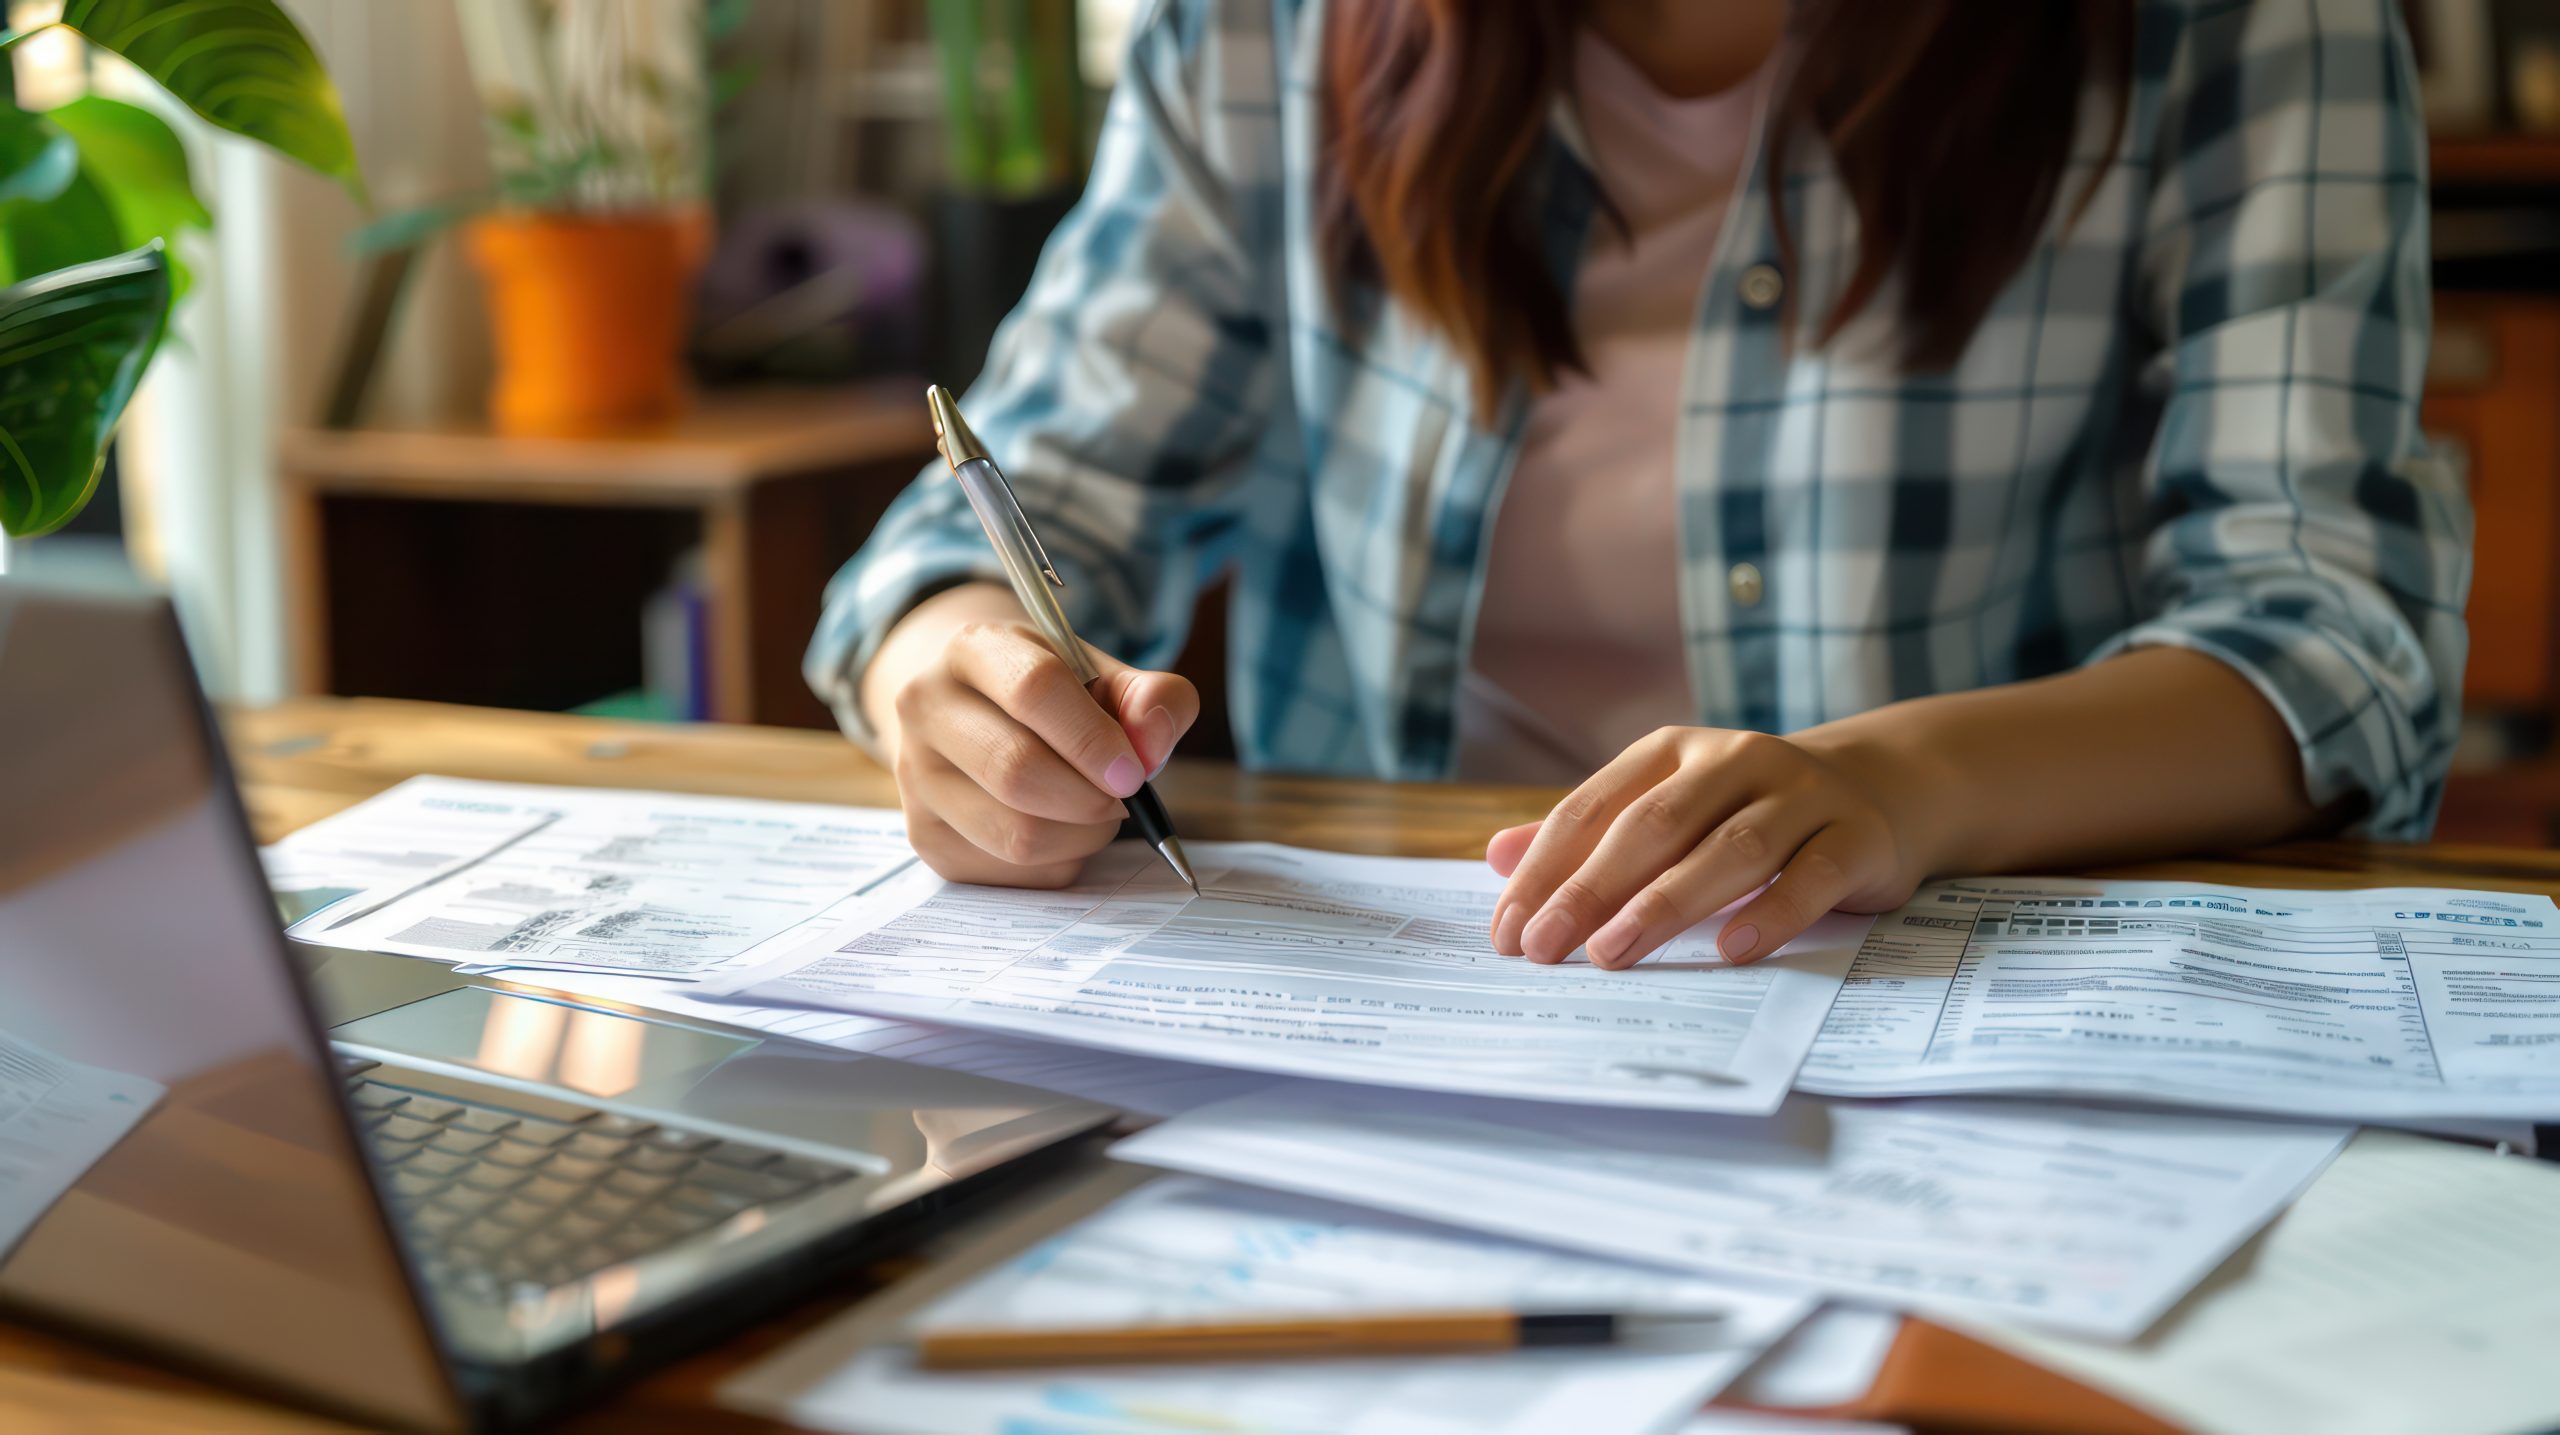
[1689, 820]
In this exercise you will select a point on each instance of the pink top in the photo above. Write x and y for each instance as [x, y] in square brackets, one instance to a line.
[1578, 648]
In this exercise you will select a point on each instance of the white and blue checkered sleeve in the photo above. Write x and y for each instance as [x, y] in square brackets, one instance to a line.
[2295, 526]
[1125, 393]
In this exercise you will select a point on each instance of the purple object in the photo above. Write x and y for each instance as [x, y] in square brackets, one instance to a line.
[820, 289]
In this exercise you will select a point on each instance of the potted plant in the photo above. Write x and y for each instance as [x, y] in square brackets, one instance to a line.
[1014, 132]
[598, 113]
[92, 194]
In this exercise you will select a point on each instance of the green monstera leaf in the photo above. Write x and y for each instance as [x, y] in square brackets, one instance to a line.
[139, 170]
[242, 64]
[36, 158]
[73, 344]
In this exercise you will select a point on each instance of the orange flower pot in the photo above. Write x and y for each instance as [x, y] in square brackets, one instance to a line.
[588, 313]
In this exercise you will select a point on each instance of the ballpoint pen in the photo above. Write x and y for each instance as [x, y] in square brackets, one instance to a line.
[1036, 583]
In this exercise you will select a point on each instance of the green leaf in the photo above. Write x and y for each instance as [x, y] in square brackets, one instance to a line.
[242, 64]
[138, 165]
[36, 159]
[409, 228]
[73, 345]
[74, 227]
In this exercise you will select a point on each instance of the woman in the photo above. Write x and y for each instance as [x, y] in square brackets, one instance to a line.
[2014, 406]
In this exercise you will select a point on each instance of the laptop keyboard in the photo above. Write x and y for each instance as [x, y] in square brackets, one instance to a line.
[498, 1188]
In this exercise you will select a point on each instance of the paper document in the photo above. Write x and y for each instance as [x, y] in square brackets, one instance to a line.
[2415, 1286]
[400, 838]
[1364, 969]
[57, 1117]
[652, 882]
[2373, 1005]
[2071, 1218]
[1187, 1250]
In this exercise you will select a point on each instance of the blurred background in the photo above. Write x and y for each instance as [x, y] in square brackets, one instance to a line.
[624, 357]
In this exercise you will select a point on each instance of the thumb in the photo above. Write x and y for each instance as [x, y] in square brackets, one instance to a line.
[1154, 708]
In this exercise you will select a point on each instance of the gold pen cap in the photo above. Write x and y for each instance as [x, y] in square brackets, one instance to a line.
[950, 431]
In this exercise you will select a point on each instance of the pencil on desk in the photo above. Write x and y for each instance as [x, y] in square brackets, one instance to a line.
[1388, 1333]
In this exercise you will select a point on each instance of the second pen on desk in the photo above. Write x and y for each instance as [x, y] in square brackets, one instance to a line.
[1036, 584]
[1451, 1332]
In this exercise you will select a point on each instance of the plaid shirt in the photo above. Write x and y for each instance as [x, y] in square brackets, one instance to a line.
[2190, 420]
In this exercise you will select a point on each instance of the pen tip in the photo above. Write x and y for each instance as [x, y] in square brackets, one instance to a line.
[1171, 847]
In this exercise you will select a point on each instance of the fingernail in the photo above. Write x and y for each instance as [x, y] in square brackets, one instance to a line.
[1123, 776]
[1501, 915]
[1550, 935]
[1507, 923]
[1738, 943]
[1155, 739]
[1612, 940]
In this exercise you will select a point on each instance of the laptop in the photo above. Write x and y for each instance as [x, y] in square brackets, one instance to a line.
[357, 1182]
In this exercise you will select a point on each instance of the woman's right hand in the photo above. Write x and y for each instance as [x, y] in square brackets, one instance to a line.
[1010, 771]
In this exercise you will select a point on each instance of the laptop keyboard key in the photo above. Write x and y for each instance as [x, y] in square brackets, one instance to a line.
[427, 1108]
[547, 1133]
[517, 1211]
[495, 1178]
[380, 1098]
[607, 1207]
[479, 1118]
[484, 1237]
[435, 1163]
[435, 1220]
[576, 1227]
[574, 1168]
[614, 1123]
[638, 1185]
[467, 1199]
[657, 1162]
[511, 1152]
[463, 1143]
[668, 1138]
[413, 1186]
[596, 1147]
[549, 1192]
[401, 1128]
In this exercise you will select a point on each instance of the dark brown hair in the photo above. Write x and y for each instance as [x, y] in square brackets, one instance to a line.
[1950, 121]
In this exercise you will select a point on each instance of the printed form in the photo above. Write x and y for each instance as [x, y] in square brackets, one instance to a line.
[2374, 1005]
[1190, 1250]
[2069, 1218]
[1361, 969]
[57, 1117]
[592, 879]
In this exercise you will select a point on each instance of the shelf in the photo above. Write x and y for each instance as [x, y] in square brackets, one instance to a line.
[2495, 159]
[731, 441]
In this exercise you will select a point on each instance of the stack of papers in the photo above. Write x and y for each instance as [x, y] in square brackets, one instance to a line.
[1368, 969]
[2068, 1218]
[1402, 1113]
[2374, 1005]
[1189, 1251]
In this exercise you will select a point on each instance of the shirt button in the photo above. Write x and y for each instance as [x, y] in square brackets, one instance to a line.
[1762, 285]
[1744, 583]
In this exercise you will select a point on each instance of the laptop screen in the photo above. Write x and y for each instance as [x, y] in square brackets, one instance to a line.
[176, 1169]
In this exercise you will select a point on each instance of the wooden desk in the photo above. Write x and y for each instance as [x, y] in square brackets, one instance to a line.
[304, 759]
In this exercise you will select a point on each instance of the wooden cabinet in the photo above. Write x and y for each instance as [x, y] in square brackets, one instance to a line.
[453, 564]
[2493, 403]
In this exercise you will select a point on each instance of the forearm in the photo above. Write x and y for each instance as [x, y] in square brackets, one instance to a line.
[2157, 752]
[917, 642]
